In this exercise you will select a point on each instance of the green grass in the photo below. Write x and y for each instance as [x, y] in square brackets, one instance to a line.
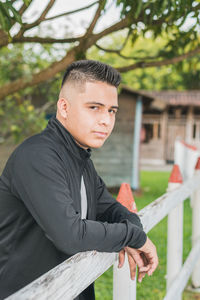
[153, 185]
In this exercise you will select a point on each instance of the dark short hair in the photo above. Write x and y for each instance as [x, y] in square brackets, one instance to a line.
[91, 70]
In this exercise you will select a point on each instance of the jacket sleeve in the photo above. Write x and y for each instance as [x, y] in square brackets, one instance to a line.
[39, 180]
[110, 210]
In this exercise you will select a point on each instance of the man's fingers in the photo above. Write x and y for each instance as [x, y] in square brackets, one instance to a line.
[149, 251]
[141, 275]
[145, 269]
[121, 258]
[132, 266]
[137, 258]
[153, 266]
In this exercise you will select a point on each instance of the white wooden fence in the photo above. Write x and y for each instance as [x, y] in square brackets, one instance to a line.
[70, 278]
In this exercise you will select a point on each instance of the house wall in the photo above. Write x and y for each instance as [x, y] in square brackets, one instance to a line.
[152, 147]
[113, 160]
[181, 123]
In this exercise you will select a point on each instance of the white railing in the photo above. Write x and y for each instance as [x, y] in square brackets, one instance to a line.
[70, 278]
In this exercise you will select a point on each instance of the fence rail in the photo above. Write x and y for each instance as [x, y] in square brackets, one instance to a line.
[70, 278]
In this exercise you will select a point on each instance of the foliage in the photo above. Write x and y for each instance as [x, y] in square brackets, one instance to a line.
[178, 20]
[20, 121]
[8, 14]
[181, 76]
[22, 60]
[153, 184]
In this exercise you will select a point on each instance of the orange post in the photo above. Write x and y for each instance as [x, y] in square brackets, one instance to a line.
[197, 167]
[125, 197]
[175, 176]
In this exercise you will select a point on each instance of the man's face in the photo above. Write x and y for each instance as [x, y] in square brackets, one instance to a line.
[90, 112]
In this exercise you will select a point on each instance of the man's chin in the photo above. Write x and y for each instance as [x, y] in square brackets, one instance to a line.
[97, 144]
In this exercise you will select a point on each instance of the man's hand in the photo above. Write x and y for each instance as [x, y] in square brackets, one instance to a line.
[145, 257]
[149, 253]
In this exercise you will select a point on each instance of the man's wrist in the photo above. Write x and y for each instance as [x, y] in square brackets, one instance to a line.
[140, 241]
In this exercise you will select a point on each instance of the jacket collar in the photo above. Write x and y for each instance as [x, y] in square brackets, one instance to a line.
[69, 141]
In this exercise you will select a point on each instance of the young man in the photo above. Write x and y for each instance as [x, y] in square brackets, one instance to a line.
[53, 204]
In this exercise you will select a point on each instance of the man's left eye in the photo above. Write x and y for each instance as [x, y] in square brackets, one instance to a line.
[94, 107]
[113, 111]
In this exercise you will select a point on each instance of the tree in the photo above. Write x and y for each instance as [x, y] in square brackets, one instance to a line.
[184, 75]
[138, 18]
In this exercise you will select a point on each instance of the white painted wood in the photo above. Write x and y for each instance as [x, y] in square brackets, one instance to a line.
[153, 213]
[180, 282]
[186, 158]
[68, 279]
[196, 233]
[123, 286]
[174, 240]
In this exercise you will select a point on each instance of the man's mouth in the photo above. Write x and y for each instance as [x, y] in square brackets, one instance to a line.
[101, 134]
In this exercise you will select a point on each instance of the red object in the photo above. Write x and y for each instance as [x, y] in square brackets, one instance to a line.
[176, 176]
[197, 167]
[125, 197]
[189, 146]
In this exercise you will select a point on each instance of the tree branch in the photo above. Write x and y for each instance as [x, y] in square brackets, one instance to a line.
[71, 12]
[144, 64]
[24, 7]
[58, 66]
[95, 18]
[39, 77]
[115, 27]
[45, 40]
[118, 52]
[40, 19]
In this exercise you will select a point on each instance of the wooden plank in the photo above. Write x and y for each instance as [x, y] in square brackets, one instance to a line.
[182, 279]
[68, 279]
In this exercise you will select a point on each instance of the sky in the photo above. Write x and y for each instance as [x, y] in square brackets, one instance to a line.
[75, 23]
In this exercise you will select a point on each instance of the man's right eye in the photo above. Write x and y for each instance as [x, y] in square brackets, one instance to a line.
[94, 107]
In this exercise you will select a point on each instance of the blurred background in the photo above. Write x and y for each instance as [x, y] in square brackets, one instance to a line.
[155, 44]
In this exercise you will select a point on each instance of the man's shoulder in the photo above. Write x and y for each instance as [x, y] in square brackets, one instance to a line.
[39, 145]
[33, 143]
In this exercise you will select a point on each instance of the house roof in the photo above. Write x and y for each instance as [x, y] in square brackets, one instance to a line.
[183, 98]
[160, 99]
[146, 97]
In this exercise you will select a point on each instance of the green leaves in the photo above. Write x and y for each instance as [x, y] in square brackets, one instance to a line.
[8, 15]
[20, 120]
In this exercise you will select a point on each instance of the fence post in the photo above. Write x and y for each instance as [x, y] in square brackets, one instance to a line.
[196, 229]
[123, 286]
[175, 232]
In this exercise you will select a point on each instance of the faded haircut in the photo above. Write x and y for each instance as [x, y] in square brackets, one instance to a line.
[91, 70]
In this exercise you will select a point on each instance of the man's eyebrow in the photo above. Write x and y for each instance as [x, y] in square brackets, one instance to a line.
[101, 104]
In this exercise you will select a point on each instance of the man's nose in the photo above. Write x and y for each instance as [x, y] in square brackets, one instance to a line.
[105, 119]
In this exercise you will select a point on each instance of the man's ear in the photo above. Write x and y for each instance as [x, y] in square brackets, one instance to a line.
[63, 107]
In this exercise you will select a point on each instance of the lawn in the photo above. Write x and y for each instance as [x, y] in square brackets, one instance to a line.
[153, 185]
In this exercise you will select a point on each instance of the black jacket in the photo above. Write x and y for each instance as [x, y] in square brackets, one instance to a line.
[40, 209]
